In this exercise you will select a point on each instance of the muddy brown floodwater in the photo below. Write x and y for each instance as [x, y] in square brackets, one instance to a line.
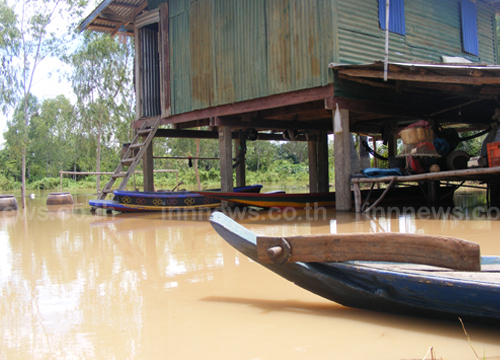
[76, 285]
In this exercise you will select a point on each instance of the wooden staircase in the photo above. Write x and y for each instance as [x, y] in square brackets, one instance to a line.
[131, 158]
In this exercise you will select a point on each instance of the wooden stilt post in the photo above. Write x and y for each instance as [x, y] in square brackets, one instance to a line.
[312, 149]
[226, 161]
[239, 145]
[342, 155]
[148, 168]
[323, 178]
[392, 145]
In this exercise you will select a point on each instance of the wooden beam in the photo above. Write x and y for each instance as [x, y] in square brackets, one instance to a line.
[365, 106]
[312, 150]
[292, 110]
[207, 134]
[226, 159]
[147, 168]
[269, 102]
[433, 250]
[192, 124]
[323, 174]
[239, 150]
[422, 77]
[237, 122]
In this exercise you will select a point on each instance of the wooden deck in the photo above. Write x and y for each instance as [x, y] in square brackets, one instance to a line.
[487, 175]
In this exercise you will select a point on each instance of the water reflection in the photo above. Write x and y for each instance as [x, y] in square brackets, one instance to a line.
[77, 285]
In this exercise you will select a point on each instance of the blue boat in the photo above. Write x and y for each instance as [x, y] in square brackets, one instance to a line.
[144, 201]
[413, 289]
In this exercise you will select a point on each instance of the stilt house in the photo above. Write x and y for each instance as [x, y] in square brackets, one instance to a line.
[275, 68]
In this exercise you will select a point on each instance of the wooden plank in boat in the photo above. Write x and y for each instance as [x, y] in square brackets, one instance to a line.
[442, 251]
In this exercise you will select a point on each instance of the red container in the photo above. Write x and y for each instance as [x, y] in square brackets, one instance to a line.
[493, 154]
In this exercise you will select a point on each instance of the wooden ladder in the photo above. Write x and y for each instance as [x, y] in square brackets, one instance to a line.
[131, 158]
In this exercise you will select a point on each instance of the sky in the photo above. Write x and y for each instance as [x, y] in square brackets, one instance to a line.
[47, 82]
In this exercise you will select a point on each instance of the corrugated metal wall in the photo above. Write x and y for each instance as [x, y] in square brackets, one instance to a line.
[488, 41]
[433, 29]
[225, 51]
[151, 73]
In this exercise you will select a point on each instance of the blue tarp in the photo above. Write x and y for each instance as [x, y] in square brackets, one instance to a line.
[376, 172]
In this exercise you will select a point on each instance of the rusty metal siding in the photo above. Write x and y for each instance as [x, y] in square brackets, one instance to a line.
[200, 44]
[224, 48]
[249, 56]
[180, 60]
[235, 50]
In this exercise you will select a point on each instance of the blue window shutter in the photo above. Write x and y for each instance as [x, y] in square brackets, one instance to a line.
[396, 16]
[469, 27]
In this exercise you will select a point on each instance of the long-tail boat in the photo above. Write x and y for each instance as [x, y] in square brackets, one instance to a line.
[411, 195]
[423, 275]
[142, 201]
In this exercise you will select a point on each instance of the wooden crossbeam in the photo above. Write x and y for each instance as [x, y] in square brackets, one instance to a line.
[423, 77]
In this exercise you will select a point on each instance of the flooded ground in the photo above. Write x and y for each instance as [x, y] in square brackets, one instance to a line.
[76, 285]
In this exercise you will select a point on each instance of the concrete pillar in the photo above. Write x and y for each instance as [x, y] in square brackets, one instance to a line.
[226, 159]
[342, 155]
[323, 176]
[148, 168]
[312, 150]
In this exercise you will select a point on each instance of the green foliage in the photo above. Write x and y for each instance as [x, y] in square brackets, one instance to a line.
[45, 184]
[473, 146]
[8, 183]
[10, 44]
[102, 80]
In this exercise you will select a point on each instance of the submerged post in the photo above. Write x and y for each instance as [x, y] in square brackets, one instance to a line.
[323, 176]
[239, 150]
[312, 151]
[148, 168]
[342, 155]
[226, 164]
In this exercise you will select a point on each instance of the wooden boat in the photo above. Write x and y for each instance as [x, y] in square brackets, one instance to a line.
[412, 195]
[279, 200]
[137, 201]
[428, 276]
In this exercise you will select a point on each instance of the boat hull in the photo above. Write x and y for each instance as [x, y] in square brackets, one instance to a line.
[276, 200]
[111, 205]
[411, 195]
[136, 201]
[386, 287]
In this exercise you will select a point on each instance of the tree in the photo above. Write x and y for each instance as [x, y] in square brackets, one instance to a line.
[16, 133]
[102, 81]
[10, 43]
[29, 41]
[51, 137]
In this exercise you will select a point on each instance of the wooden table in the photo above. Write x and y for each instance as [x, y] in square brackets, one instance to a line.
[487, 175]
